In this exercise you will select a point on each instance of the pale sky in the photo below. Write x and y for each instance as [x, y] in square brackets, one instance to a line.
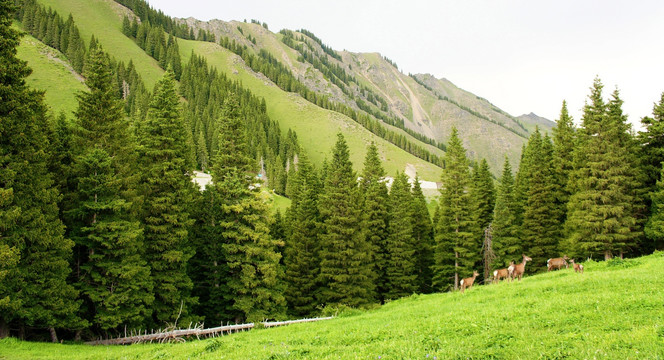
[522, 55]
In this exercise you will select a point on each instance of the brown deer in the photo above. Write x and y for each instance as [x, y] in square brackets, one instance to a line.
[577, 267]
[557, 263]
[468, 282]
[501, 274]
[518, 269]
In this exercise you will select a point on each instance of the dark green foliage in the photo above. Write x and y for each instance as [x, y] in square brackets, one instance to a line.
[506, 243]
[301, 246]
[375, 206]
[484, 193]
[400, 251]
[651, 157]
[166, 188]
[654, 228]
[110, 270]
[457, 235]
[423, 239]
[564, 141]
[33, 291]
[603, 211]
[541, 227]
[243, 221]
[346, 273]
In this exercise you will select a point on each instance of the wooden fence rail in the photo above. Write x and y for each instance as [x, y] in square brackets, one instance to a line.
[179, 334]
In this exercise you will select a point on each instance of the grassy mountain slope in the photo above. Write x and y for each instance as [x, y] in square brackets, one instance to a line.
[426, 105]
[612, 311]
[51, 73]
[315, 127]
[530, 121]
[103, 18]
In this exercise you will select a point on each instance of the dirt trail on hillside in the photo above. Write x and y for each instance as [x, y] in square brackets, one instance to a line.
[419, 115]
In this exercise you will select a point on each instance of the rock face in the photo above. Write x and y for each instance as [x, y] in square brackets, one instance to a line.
[370, 83]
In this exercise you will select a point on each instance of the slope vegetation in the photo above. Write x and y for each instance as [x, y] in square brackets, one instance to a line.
[52, 74]
[612, 311]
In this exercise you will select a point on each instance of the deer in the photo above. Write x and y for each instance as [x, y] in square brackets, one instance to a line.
[501, 274]
[577, 267]
[518, 269]
[468, 282]
[557, 263]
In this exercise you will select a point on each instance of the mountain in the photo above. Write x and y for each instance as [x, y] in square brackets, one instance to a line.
[531, 121]
[319, 91]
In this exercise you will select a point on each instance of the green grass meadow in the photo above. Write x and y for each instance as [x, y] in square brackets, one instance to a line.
[615, 310]
[51, 75]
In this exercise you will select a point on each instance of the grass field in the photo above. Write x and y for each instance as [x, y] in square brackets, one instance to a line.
[614, 310]
[51, 74]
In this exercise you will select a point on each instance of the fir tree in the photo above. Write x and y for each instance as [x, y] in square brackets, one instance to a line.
[346, 273]
[651, 159]
[400, 257]
[564, 142]
[654, 228]
[34, 291]
[540, 230]
[457, 245]
[601, 219]
[111, 273]
[301, 248]
[375, 214]
[506, 243]
[251, 254]
[166, 188]
[423, 238]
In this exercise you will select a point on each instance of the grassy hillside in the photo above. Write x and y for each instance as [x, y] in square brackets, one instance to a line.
[315, 127]
[103, 18]
[52, 74]
[612, 311]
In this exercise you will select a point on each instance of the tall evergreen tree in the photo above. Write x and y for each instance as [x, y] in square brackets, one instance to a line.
[423, 239]
[34, 291]
[654, 228]
[346, 273]
[600, 218]
[564, 143]
[540, 230]
[167, 189]
[457, 240]
[400, 259]
[651, 158]
[249, 251]
[110, 270]
[374, 200]
[301, 248]
[506, 242]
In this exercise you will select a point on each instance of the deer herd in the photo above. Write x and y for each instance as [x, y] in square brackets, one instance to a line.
[515, 271]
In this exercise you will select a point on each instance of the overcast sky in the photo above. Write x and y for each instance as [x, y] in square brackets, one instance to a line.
[522, 55]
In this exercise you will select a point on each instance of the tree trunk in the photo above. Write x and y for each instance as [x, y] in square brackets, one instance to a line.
[4, 329]
[607, 255]
[54, 336]
[77, 335]
[456, 270]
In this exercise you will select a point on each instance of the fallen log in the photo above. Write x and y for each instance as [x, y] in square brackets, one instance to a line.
[181, 333]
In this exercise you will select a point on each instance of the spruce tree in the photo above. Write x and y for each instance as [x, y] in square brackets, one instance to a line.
[423, 238]
[374, 200]
[111, 273]
[651, 158]
[654, 228]
[506, 243]
[540, 229]
[346, 272]
[166, 188]
[457, 245]
[601, 218]
[243, 219]
[34, 291]
[301, 248]
[400, 257]
[484, 193]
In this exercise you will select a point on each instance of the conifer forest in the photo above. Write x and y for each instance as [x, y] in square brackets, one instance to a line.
[102, 228]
